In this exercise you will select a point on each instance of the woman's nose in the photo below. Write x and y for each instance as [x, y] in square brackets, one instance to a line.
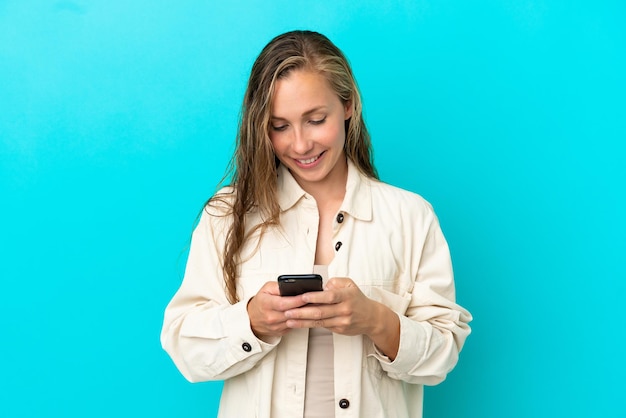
[300, 144]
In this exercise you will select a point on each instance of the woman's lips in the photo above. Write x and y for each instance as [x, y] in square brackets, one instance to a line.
[308, 162]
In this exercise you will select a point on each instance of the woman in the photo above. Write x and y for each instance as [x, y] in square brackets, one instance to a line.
[305, 197]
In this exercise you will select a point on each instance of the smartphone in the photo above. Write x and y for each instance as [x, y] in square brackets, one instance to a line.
[296, 284]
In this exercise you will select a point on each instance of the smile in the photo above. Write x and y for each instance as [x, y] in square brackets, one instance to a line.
[309, 161]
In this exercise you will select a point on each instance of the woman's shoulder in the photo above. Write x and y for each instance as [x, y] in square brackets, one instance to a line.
[215, 217]
[398, 199]
[221, 203]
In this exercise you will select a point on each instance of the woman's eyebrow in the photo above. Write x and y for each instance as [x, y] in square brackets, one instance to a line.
[307, 113]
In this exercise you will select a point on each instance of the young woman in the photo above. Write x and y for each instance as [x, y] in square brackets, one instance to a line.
[305, 198]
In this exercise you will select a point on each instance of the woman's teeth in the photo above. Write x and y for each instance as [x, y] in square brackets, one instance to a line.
[309, 161]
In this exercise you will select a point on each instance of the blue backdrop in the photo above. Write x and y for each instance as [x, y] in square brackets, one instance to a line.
[117, 119]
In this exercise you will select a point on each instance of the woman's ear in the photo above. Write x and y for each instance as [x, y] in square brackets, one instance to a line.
[348, 110]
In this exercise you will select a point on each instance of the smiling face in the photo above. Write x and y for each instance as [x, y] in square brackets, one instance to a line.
[307, 130]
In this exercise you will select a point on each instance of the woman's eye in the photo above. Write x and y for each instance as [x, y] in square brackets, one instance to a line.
[279, 128]
[318, 121]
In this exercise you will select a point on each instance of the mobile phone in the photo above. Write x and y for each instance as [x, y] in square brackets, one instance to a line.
[296, 284]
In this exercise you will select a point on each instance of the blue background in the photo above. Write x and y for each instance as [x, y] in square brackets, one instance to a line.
[117, 119]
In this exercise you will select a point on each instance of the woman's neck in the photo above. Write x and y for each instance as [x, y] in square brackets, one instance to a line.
[330, 191]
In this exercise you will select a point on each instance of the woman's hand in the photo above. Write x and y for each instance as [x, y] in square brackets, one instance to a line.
[267, 311]
[342, 308]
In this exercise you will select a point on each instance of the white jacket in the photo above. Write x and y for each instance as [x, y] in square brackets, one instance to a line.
[391, 246]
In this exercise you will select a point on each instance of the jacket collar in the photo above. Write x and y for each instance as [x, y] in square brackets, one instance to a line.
[357, 201]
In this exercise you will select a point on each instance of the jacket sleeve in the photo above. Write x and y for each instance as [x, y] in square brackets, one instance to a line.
[207, 337]
[433, 328]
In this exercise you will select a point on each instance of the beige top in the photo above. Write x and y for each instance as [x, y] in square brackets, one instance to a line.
[319, 389]
[387, 240]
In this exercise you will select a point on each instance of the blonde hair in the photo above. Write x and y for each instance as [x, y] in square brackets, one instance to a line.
[252, 169]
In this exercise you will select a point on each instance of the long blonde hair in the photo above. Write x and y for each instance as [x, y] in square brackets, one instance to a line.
[252, 169]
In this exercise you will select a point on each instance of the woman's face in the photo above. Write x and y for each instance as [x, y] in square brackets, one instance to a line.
[307, 130]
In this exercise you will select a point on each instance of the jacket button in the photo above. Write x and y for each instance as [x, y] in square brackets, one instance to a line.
[344, 404]
[246, 347]
[338, 245]
[340, 217]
